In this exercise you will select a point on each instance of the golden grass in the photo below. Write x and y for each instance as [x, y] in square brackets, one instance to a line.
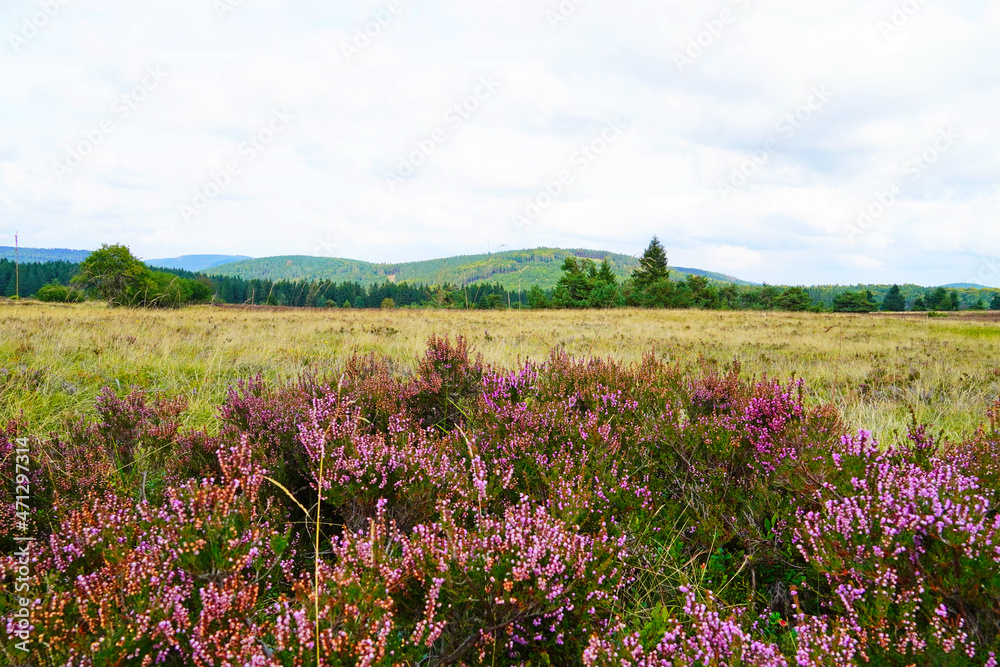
[874, 368]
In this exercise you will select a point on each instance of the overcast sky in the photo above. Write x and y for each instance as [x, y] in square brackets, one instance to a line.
[776, 140]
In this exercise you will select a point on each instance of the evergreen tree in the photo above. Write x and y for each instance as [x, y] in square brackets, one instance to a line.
[606, 275]
[938, 299]
[652, 266]
[894, 300]
[605, 292]
[577, 283]
[794, 299]
[494, 301]
[537, 299]
[854, 302]
[953, 301]
[995, 303]
[919, 304]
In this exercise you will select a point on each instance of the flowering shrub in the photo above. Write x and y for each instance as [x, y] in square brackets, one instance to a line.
[564, 512]
[704, 639]
[911, 553]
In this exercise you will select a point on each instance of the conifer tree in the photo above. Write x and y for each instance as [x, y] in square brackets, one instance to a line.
[652, 266]
[894, 300]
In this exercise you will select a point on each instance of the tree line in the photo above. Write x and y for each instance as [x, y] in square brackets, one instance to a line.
[586, 284]
[34, 277]
[115, 275]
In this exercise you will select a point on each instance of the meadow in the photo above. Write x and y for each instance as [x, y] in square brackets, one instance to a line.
[274, 487]
[878, 370]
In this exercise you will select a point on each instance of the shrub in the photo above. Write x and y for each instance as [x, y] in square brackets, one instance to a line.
[565, 512]
[447, 380]
[56, 293]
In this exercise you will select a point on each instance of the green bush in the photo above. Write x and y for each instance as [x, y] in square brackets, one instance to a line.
[56, 293]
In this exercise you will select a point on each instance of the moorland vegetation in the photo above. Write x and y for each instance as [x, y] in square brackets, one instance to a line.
[566, 511]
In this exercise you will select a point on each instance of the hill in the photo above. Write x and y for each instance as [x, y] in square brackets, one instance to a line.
[38, 255]
[194, 262]
[513, 268]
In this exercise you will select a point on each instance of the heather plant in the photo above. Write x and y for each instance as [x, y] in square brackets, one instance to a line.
[700, 636]
[911, 551]
[405, 469]
[137, 431]
[121, 580]
[731, 461]
[561, 512]
[447, 380]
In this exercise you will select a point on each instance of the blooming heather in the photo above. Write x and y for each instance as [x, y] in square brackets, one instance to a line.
[568, 511]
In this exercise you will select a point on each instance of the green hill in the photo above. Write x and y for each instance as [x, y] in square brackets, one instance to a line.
[511, 269]
[194, 262]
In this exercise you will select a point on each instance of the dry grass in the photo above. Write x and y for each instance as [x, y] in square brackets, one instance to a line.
[875, 368]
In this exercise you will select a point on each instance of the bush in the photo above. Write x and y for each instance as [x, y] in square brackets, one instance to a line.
[56, 293]
[123, 280]
[564, 512]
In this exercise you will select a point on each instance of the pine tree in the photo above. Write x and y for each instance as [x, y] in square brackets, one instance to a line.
[576, 284]
[854, 302]
[606, 275]
[953, 302]
[652, 266]
[536, 298]
[937, 299]
[894, 300]
[794, 299]
[995, 303]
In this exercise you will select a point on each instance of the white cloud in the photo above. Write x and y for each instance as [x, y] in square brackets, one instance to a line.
[687, 131]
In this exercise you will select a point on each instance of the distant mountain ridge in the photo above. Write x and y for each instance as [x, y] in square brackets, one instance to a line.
[37, 255]
[194, 262]
[187, 262]
[513, 269]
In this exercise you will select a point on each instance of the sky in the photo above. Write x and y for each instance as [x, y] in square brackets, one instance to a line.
[780, 141]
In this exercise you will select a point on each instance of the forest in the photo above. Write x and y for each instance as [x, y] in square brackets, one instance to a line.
[584, 283]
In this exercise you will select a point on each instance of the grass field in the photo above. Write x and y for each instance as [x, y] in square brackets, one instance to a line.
[874, 368]
[422, 508]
